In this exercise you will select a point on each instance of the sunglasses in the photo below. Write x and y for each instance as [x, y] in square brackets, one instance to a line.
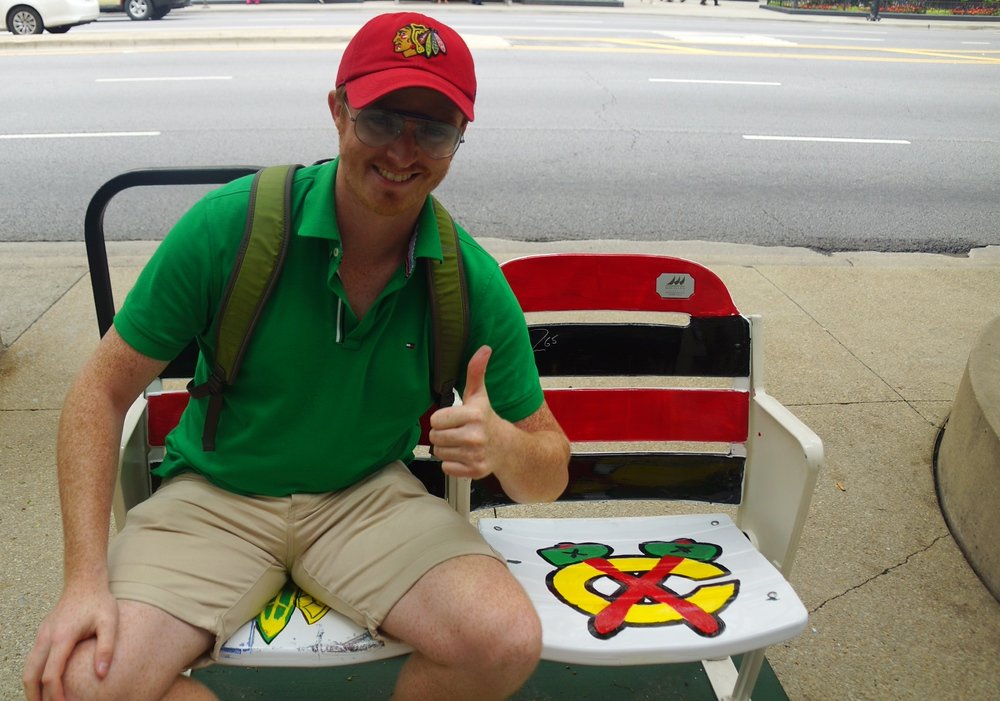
[376, 128]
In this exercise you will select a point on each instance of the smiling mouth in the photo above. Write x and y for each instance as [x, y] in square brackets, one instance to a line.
[395, 177]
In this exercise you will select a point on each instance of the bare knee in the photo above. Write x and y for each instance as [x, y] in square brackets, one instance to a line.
[506, 638]
[80, 680]
[125, 682]
[470, 616]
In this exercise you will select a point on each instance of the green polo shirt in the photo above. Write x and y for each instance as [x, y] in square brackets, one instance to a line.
[322, 399]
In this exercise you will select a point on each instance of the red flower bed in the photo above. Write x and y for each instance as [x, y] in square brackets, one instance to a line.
[981, 11]
[910, 8]
[905, 9]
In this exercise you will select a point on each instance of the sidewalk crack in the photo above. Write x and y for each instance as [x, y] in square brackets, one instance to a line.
[834, 337]
[884, 572]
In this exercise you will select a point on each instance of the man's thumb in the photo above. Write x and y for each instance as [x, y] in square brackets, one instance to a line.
[475, 375]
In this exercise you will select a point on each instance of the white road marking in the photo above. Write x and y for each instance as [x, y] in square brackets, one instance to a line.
[713, 82]
[825, 139]
[163, 79]
[81, 135]
[826, 37]
[726, 39]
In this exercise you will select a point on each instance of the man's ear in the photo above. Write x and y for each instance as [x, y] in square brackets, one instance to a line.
[335, 105]
[337, 111]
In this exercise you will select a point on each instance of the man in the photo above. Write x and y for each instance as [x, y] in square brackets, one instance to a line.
[307, 475]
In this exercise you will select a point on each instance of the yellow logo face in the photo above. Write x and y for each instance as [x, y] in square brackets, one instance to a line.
[418, 40]
[639, 595]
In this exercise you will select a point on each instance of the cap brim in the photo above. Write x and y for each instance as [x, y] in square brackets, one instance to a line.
[365, 90]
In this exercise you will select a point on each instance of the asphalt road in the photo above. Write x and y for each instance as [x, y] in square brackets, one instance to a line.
[835, 137]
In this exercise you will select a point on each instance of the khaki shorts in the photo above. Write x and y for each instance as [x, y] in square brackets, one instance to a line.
[213, 558]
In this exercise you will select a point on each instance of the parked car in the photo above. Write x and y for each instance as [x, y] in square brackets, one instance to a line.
[143, 9]
[57, 16]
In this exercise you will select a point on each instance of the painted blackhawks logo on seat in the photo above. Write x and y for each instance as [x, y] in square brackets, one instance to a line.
[418, 40]
[631, 590]
[278, 611]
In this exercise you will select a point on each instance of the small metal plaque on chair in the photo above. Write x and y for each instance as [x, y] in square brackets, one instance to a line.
[675, 285]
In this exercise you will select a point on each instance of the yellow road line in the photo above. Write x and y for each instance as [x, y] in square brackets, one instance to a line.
[843, 53]
[750, 54]
[955, 55]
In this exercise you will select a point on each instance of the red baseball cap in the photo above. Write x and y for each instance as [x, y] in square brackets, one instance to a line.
[408, 50]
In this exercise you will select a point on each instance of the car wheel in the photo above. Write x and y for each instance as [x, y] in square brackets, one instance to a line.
[24, 20]
[139, 9]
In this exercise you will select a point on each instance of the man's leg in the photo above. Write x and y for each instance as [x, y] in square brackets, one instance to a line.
[391, 557]
[474, 632]
[152, 649]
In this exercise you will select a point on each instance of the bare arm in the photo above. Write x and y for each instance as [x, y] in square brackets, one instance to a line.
[529, 457]
[90, 429]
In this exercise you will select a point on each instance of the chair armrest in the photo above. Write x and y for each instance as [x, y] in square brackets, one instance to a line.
[133, 484]
[783, 461]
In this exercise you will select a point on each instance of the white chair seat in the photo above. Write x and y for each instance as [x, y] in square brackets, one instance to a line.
[647, 590]
[295, 630]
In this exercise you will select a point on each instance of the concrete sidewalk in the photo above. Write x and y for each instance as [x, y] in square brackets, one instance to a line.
[868, 349]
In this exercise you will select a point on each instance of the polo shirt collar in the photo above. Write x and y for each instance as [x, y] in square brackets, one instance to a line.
[319, 219]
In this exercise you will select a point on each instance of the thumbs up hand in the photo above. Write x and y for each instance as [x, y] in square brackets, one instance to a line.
[468, 438]
[475, 375]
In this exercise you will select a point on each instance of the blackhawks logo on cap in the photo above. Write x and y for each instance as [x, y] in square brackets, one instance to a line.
[418, 40]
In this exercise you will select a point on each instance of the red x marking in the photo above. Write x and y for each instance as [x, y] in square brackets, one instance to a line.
[647, 587]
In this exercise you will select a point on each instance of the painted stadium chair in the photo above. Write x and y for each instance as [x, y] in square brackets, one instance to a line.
[674, 409]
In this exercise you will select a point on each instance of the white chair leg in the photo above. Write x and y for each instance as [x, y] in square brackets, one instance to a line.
[722, 675]
[749, 672]
[730, 685]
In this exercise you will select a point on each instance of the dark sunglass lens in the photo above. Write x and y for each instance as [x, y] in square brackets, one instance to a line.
[437, 135]
[377, 127]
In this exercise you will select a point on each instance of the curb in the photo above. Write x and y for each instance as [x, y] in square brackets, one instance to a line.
[329, 38]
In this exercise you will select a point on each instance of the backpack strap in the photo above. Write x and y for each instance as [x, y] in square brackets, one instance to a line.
[449, 309]
[257, 268]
